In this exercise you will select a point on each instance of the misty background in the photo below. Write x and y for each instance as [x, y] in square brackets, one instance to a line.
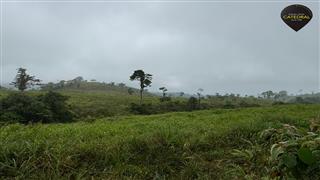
[241, 48]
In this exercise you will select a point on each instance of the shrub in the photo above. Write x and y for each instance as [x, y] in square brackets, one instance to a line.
[295, 154]
[168, 106]
[278, 103]
[164, 99]
[58, 106]
[18, 107]
[228, 105]
[146, 109]
[243, 103]
[192, 103]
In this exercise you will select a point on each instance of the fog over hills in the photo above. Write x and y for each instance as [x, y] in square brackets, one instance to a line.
[240, 48]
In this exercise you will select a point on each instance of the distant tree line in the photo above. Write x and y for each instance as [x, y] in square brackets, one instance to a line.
[52, 106]
[79, 83]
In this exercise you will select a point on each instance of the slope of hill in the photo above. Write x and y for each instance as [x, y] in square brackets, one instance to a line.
[174, 145]
[103, 104]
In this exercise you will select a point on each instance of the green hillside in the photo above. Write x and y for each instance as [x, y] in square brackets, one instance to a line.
[90, 102]
[103, 104]
[181, 145]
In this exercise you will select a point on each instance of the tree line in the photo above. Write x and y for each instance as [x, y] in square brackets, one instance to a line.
[52, 106]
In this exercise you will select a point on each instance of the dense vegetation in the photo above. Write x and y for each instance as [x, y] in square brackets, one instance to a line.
[46, 108]
[210, 144]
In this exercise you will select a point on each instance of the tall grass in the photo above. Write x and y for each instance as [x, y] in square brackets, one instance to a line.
[174, 145]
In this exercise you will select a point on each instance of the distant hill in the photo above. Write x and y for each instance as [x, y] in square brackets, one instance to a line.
[79, 84]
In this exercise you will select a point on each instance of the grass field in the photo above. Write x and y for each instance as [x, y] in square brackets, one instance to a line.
[181, 145]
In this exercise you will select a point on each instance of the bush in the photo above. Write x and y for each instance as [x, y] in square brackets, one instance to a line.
[278, 103]
[192, 103]
[168, 106]
[244, 103]
[58, 106]
[146, 109]
[296, 154]
[172, 106]
[228, 105]
[164, 99]
[19, 107]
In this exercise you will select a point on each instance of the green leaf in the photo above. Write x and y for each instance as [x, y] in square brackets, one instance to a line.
[305, 155]
[276, 150]
[289, 160]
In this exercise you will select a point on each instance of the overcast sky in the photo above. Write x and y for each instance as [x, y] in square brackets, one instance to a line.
[220, 47]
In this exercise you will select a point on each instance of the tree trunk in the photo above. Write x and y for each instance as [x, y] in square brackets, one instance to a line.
[141, 96]
[199, 101]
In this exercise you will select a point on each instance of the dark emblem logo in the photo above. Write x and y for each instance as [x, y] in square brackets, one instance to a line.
[296, 16]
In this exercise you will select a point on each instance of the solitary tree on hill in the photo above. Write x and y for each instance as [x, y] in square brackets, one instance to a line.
[164, 90]
[143, 78]
[199, 93]
[24, 81]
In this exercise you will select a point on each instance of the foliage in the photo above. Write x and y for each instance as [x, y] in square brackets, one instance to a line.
[164, 99]
[24, 81]
[192, 103]
[164, 90]
[294, 154]
[23, 108]
[58, 106]
[130, 91]
[19, 107]
[146, 109]
[143, 78]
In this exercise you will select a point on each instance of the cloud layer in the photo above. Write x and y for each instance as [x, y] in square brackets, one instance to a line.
[221, 47]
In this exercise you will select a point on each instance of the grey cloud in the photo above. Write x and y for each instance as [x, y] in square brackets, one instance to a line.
[220, 47]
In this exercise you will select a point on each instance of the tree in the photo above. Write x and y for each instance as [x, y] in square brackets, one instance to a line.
[143, 78]
[130, 91]
[58, 106]
[122, 85]
[164, 97]
[61, 83]
[181, 94]
[49, 86]
[24, 81]
[192, 103]
[164, 90]
[267, 94]
[283, 94]
[199, 93]
[78, 79]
